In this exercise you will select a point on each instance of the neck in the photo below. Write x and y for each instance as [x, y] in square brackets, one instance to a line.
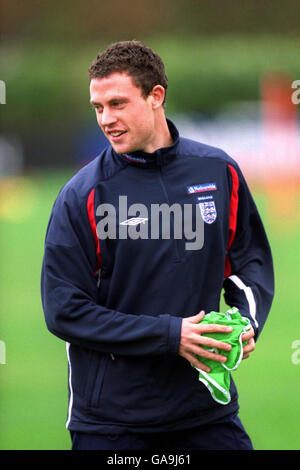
[162, 136]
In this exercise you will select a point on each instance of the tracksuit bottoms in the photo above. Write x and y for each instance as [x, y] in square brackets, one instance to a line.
[225, 434]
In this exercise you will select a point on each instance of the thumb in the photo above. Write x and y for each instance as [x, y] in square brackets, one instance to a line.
[197, 318]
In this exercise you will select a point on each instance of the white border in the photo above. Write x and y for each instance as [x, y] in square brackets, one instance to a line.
[249, 296]
[70, 385]
[207, 381]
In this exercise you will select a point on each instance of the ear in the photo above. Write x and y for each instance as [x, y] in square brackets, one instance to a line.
[157, 96]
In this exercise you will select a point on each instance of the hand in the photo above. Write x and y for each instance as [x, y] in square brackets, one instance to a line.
[191, 339]
[250, 346]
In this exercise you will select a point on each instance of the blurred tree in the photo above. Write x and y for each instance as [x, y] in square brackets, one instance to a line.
[215, 53]
[109, 20]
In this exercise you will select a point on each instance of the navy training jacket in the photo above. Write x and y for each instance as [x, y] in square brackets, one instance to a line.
[118, 301]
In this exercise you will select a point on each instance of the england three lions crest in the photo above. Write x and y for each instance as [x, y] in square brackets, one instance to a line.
[208, 211]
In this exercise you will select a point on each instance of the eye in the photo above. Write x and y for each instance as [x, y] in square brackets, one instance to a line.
[117, 104]
[98, 108]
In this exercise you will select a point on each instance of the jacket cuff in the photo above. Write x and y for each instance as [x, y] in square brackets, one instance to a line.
[174, 334]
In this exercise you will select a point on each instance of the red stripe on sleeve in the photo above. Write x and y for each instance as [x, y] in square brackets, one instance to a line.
[233, 209]
[92, 220]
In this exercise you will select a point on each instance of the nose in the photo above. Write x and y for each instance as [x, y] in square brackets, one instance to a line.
[107, 117]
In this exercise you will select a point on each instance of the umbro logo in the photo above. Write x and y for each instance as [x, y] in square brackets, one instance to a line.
[134, 221]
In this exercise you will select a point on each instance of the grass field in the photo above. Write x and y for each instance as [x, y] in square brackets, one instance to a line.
[33, 390]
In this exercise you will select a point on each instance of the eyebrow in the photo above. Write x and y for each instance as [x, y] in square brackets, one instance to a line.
[115, 98]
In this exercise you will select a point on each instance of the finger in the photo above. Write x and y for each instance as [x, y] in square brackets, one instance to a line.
[195, 362]
[202, 352]
[250, 344]
[246, 353]
[247, 350]
[214, 328]
[249, 347]
[249, 334]
[212, 343]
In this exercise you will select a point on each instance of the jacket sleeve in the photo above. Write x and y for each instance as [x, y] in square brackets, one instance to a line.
[249, 277]
[70, 294]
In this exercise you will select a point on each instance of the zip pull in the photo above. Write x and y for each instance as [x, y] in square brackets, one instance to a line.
[112, 356]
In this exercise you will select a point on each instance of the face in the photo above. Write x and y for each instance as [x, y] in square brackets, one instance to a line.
[124, 115]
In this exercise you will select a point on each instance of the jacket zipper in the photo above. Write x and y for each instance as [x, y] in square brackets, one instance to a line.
[176, 241]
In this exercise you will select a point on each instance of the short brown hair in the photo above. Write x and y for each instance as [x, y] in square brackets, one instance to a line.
[140, 62]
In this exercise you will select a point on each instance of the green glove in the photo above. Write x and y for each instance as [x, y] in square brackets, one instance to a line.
[218, 379]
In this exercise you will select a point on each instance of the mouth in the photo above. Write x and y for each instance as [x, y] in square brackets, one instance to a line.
[115, 136]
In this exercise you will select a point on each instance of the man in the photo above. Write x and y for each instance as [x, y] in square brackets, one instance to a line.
[130, 307]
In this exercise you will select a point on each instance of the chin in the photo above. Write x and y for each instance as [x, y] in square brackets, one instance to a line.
[122, 149]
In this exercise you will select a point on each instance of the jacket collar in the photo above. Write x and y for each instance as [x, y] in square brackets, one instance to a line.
[158, 158]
